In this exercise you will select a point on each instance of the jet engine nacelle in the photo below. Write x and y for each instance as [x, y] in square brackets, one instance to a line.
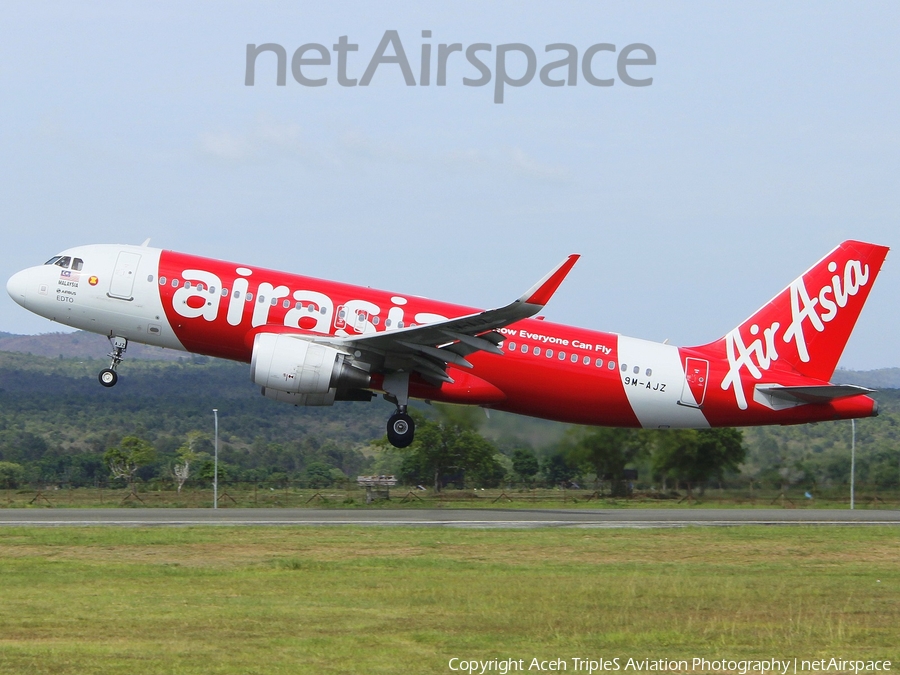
[299, 371]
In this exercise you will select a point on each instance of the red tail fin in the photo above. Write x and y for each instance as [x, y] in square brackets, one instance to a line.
[807, 325]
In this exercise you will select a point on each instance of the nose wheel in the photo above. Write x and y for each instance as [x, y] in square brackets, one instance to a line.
[401, 429]
[108, 376]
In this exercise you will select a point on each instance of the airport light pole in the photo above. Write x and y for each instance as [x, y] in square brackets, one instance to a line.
[852, 463]
[216, 461]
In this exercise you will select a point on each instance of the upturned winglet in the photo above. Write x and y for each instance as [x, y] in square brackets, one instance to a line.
[543, 290]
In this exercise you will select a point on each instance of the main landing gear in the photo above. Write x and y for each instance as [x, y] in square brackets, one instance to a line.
[108, 376]
[401, 429]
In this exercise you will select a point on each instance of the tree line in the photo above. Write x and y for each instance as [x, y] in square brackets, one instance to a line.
[58, 426]
[448, 450]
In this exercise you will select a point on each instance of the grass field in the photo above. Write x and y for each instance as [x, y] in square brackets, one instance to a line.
[406, 600]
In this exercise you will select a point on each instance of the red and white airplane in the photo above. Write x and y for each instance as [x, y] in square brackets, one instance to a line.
[313, 342]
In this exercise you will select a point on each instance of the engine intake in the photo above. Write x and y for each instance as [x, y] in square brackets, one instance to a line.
[306, 370]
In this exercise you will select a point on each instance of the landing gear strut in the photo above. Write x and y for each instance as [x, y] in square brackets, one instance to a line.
[401, 429]
[108, 376]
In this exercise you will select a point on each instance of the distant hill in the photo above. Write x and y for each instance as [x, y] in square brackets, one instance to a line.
[883, 378]
[81, 345]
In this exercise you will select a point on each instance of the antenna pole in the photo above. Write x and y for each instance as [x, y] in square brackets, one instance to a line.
[216, 462]
[852, 463]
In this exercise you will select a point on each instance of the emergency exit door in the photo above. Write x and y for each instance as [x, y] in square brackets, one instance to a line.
[122, 284]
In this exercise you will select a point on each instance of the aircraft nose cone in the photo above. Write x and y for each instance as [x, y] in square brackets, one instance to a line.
[16, 286]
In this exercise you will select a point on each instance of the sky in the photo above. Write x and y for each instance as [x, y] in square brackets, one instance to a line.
[769, 135]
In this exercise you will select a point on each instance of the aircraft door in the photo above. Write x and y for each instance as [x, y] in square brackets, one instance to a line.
[122, 283]
[696, 373]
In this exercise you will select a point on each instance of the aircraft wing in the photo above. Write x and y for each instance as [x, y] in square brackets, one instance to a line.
[429, 348]
[823, 393]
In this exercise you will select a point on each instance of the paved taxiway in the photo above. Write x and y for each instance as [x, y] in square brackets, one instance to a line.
[469, 518]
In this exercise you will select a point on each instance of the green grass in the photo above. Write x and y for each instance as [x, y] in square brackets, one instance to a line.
[405, 600]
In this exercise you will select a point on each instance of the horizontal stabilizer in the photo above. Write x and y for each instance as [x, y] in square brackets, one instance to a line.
[823, 393]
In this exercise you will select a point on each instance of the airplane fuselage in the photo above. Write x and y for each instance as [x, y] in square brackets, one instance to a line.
[547, 370]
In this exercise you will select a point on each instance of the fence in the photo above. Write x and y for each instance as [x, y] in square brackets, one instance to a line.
[291, 495]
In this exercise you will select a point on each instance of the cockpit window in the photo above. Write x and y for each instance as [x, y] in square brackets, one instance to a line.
[63, 262]
[52, 260]
[77, 264]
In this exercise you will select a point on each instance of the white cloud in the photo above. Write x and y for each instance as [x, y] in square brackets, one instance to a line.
[525, 164]
[269, 140]
[225, 145]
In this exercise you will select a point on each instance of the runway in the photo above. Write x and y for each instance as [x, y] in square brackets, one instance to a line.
[462, 518]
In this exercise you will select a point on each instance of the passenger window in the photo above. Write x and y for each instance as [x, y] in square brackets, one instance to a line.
[224, 292]
[387, 323]
[187, 284]
[274, 302]
[637, 369]
[649, 372]
[599, 363]
[562, 356]
[150, 278]
[375, 320]
[199, 287]
[586, 360]
[549, 353]
[174, 283]
[63, 262]
[249, 297]
[537, 351]
[237, 295]
[624, 367]
[162, 281]
[261, 298]
[512, 346]
[78, 264]
[286, 304]
[612, 365]
[524, 349]
[311, 307]
[574, 358]
[212, 290]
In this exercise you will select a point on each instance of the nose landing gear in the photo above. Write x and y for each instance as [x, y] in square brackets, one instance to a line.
[108, 376]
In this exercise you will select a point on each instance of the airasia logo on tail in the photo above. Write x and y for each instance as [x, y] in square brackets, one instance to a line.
[817, 309]
[855, 277]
